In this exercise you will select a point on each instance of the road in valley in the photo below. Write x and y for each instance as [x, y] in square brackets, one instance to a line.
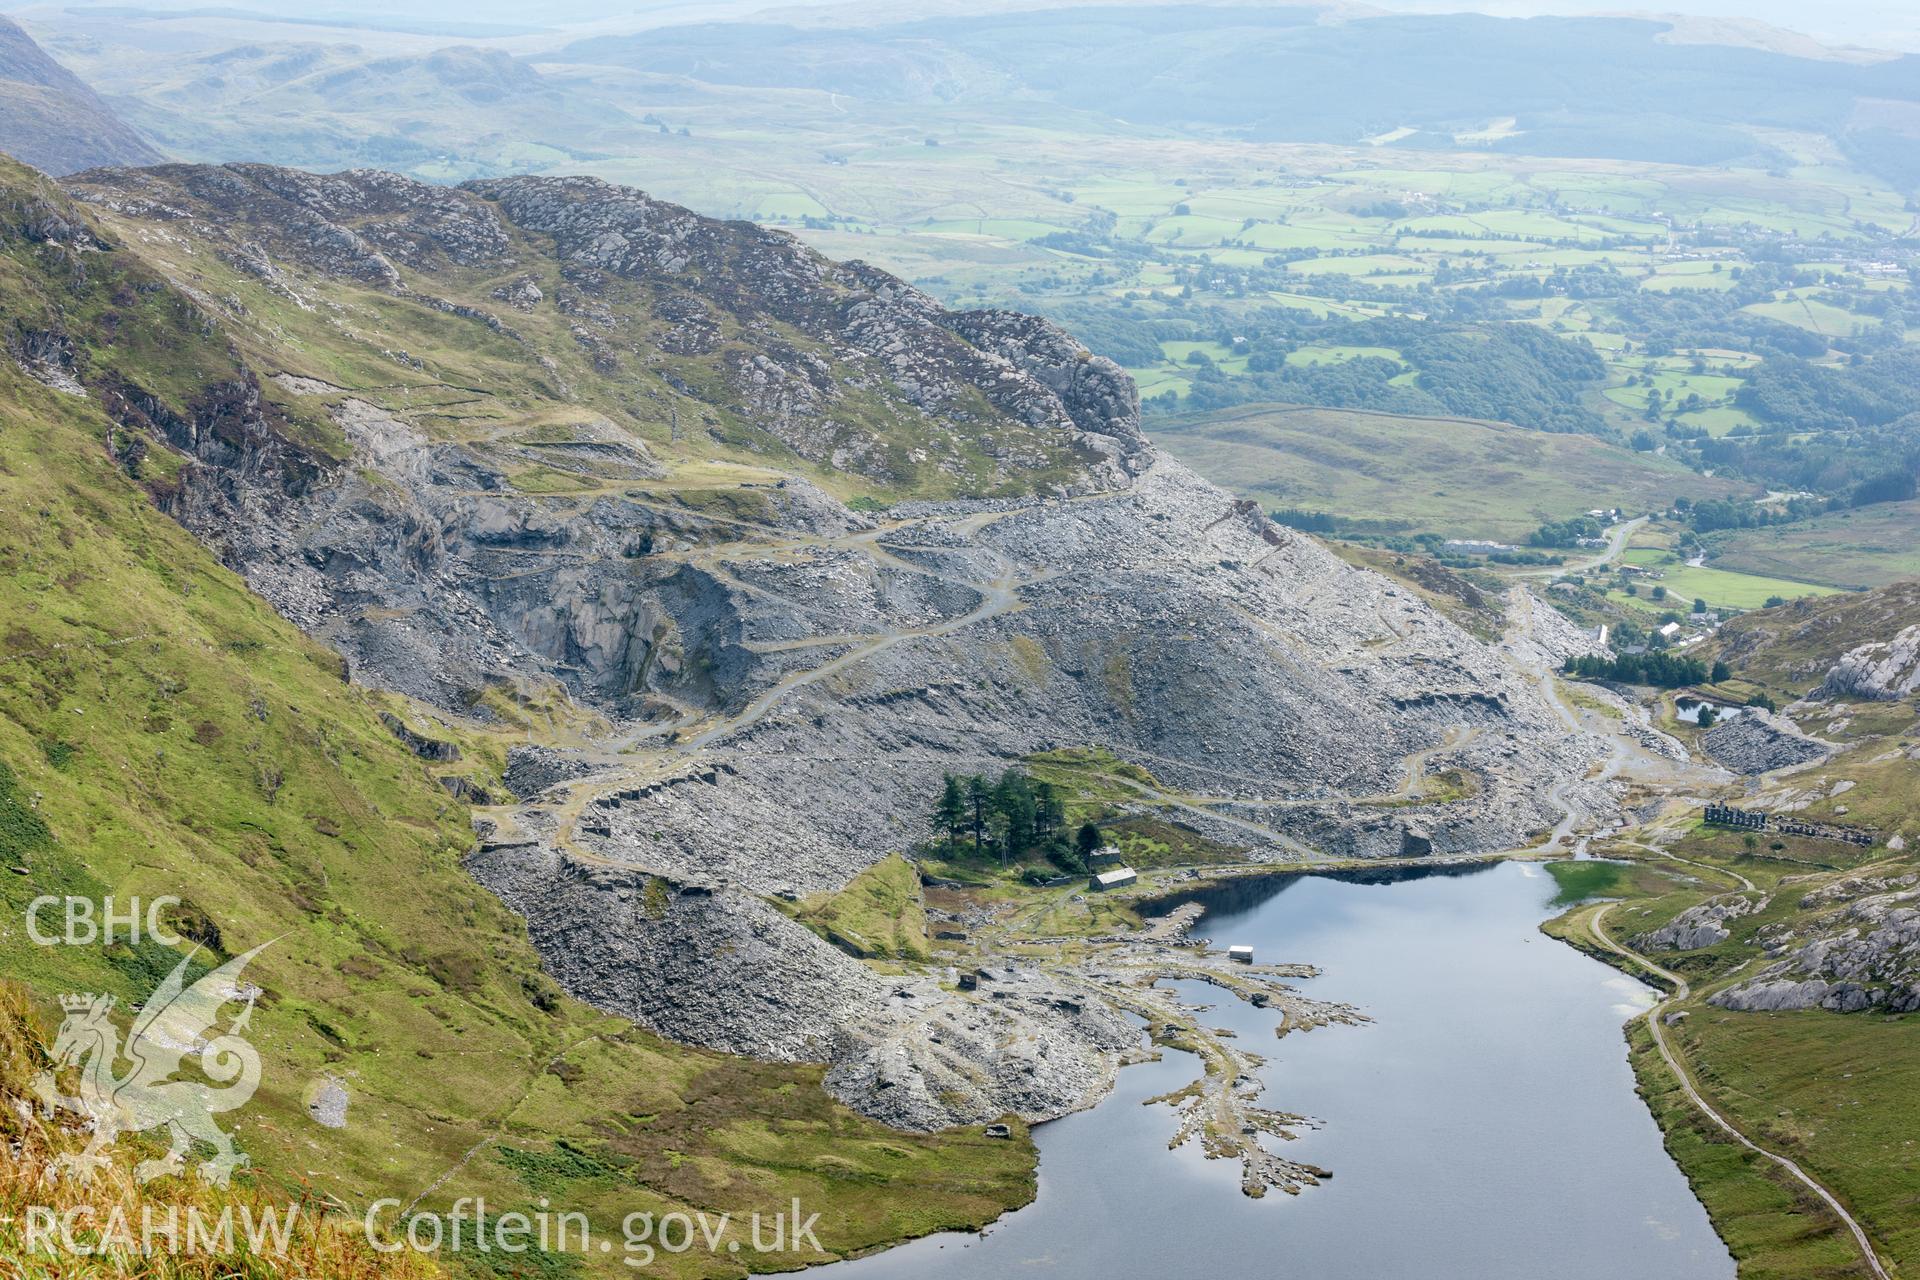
[1617, 538]
[1656, 1025]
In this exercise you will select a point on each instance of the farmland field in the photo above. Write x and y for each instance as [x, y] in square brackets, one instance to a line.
[1867, 547]
[1721, 588]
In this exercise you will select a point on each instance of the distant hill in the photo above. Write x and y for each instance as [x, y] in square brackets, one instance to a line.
[1391, 473]
[1606, 88]
[450, 113]
[51, 120]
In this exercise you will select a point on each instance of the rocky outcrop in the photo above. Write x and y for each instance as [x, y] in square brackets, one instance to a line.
[1026, 369]
[1701, 926]
[419, 743]
[1849, 888]
[1866, 955]
[1795, 646]
[1096, 392]
[1881, 671]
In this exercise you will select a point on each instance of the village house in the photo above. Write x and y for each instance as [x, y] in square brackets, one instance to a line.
[1477, 547]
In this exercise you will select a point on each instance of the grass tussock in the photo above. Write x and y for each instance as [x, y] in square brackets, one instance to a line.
[123, 1227]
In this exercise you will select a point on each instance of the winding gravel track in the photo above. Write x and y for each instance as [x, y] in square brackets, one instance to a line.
[1658, 1028]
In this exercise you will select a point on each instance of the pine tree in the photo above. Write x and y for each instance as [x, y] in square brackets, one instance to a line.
[1090, 840]
[951, 812]
[1048, 813]
[1013, 800]
[978, 794]
[1001, 831]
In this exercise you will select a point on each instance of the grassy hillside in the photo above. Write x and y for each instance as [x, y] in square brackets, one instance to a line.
[1456, 477]
[1789, 649]
[165, 733]
[1829, 1090]
[881, 913]
[316, 1241]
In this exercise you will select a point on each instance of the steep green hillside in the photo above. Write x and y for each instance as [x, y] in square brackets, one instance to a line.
[163, 731]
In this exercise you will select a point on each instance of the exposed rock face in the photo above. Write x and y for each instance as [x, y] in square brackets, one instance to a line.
[1096, 393]
[1030, 371]
[1798, 644]
[1756, 742]
[418, 743]
[724, 969]
[1701, 926]
[1881, 671]
[1865, 955]
[1852, 887]
[783, 680]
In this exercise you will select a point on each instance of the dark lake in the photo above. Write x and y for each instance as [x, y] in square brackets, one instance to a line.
[1484, 1126]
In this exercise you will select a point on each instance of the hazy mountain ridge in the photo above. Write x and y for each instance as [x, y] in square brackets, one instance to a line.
[1609, 87]
[51, 120]
[1638, 88]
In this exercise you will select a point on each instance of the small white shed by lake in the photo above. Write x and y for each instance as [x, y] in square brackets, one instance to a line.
[1118, 878]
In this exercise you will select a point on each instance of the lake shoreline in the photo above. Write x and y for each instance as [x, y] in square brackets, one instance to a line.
[1358, 1091]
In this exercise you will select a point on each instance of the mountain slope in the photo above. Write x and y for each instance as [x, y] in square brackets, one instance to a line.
[1791, 649]
[781, 542]
[164, 731]
[451, 112]
[51, 120]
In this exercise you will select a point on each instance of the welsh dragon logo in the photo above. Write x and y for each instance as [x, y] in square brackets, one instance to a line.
[172, 1026]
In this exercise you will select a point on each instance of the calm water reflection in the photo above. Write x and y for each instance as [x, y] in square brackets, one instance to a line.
[1484, 1126]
